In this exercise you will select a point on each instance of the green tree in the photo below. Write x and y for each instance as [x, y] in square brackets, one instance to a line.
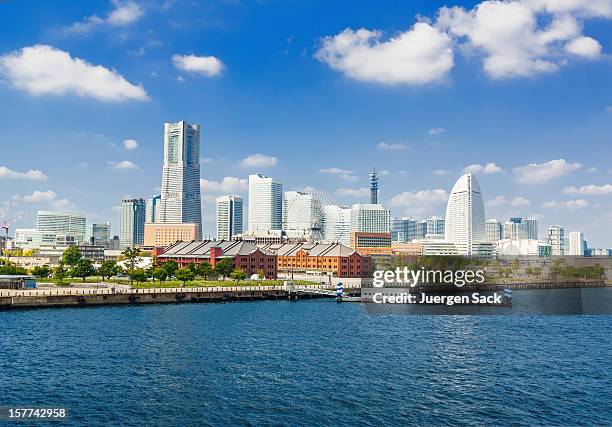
[160, 274]
[71, 256]
[184, 275]
[225, 267]
[193, 267]
[238, 274]
[261, 274]
[10, 268]
[205, 270]
[138, 275]
[42, 272]
[60, 273]
[83, 269]
[108, 269]
[131, 257]
[171, 267]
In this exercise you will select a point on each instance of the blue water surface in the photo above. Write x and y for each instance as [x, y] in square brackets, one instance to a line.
[305, 363]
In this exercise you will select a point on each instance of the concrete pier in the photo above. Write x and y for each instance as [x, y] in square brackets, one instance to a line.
[93, 297]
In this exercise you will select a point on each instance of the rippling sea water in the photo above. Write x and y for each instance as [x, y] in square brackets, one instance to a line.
[304, 363]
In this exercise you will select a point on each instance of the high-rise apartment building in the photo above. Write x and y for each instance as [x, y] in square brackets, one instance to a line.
[98, 234]
[132, 222]
[494, 230]
[69, 224]
[576, 243]
[229, 217]
[180, 195]
[465, 215]
[265, 203]
[153, 206]
[556, 238]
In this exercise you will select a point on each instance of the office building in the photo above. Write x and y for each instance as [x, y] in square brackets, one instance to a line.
[420, 230]
[514, 230]
[180, 195]
[494, 230]
[465, 216]
[68, 224]
[556, 239]
[131, 222]
[531, 224]
[576, 243]
[168, 234]
[435, 227]
[229, 217]
[98, 234]
[265, 203]
[403, 230]
[370, 218]
[337, 224]
[153, 206]
[367, 243]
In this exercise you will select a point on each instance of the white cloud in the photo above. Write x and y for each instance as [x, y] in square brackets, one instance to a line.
[123, 14]
[49, 197]
[31, 175]
[420, 202]
[228, 184]
[523, 37]
[436, 131]
[418, 56]
[497, 201]
[130, 144]
[206, 65]
[124, 165]
[589, 190]
[354, 192]
[520, 201]
[536, 173]
[584, 46]
[441, 172]
[391, 146]
[258, 161]
[45, 70]
[487, 169]
[343, 174]
[567, 204]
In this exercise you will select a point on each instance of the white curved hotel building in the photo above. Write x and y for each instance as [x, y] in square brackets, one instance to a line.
[465, 216]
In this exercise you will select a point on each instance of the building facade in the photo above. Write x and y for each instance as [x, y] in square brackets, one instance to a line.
[265, 203]
[576, 243]
[64, 223]
[370, 218]
[337, 224]
[153, 206]
[168, 234]
[98, 234]
[371, 243]
[229, 211]
[180, 196]
[299, 212]
[403, 230]
[494, 230]
[465, 215]
[556, 239]
[132, 222]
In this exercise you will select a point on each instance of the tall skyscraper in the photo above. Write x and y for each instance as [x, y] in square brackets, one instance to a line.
[494, 230]
[180, 195]
[576, 243]
[98, 234]
[132, 222]
[337, 224]
[265, 203]
[153, 205]
[370, 218]
[403, 230]
[531, 224]
[374, 187]
[69, 224]
[556, 239]
[229, 217]
[465, 215]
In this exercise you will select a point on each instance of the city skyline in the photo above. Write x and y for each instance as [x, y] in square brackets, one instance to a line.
[288, 107]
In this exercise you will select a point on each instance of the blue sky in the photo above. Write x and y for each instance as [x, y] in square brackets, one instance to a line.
[520, 92]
